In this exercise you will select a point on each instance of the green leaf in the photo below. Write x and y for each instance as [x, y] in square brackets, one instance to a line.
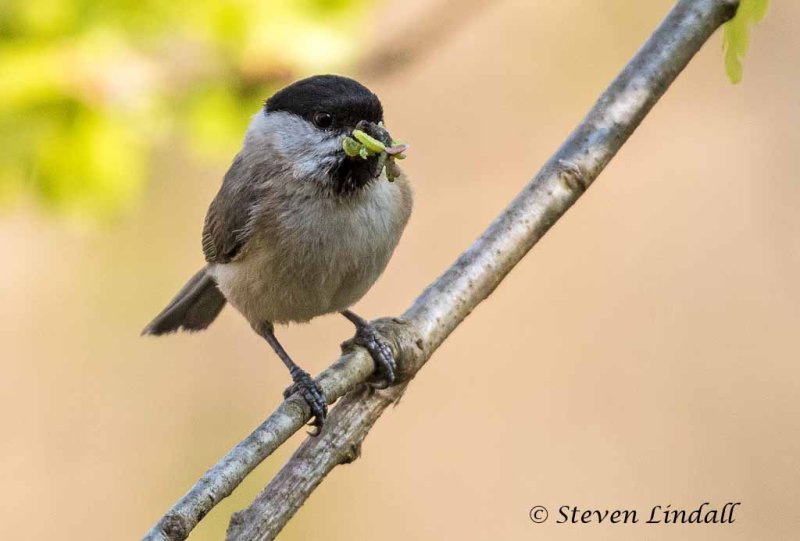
[736, 35]
[90, 90]
[92, 165]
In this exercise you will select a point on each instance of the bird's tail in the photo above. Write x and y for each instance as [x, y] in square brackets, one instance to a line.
[195, 306]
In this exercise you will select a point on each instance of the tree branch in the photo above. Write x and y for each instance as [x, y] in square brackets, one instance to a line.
[446, 302]
[218, 482]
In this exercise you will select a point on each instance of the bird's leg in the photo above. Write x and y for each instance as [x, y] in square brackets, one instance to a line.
[303, 382]
[369, 338]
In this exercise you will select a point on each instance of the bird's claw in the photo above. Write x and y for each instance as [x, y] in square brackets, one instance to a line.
[312, 394]
[385, 366]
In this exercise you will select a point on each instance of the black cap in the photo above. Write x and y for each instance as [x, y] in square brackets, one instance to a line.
[348, 101]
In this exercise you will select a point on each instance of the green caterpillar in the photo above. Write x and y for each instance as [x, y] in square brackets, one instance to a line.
[364, 145]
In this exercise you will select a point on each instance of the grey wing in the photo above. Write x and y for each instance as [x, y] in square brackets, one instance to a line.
[226, 227]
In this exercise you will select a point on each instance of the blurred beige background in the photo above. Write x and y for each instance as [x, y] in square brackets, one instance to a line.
[644, 353]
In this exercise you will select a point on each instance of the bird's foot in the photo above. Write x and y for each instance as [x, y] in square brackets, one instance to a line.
[312, 394]
[368, 337]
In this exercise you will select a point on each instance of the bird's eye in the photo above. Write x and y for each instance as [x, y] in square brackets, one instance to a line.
[323, 120]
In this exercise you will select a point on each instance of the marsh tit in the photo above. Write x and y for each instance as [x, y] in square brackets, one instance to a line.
[300, 227]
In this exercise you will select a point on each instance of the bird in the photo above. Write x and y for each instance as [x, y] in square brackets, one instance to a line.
[301, 228]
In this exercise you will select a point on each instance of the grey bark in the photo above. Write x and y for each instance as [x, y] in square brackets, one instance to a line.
[449, 299]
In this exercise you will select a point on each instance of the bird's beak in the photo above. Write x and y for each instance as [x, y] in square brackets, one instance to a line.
[370, 140]
[377, 131]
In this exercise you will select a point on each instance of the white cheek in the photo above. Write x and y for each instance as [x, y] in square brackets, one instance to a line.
[309, 151]
[313, 160]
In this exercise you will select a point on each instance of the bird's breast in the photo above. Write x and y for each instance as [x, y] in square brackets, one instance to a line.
[321, 255]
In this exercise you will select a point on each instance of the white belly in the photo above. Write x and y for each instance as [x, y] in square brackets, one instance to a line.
[317, 261]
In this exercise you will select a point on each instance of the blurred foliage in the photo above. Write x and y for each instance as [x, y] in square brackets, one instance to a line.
[736, 36]
[89, 89]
